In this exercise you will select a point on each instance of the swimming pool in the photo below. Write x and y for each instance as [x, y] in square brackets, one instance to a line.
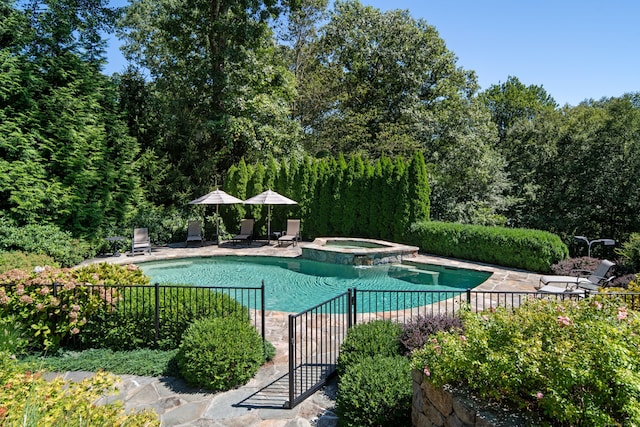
[296, 284]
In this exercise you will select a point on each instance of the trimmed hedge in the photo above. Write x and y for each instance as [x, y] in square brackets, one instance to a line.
[532, 250]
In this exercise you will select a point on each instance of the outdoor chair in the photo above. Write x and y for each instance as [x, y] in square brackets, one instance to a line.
[578, 284]
[141, 241]
[292, 234]
[246, 231]
[194, 232]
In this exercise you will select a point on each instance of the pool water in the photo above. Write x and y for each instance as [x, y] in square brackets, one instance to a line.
[296, 284]
[353, 244]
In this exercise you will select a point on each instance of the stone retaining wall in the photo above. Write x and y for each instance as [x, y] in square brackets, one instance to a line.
[445, 407]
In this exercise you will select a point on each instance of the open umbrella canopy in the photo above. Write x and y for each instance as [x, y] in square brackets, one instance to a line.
[269, 198]
[216, 197]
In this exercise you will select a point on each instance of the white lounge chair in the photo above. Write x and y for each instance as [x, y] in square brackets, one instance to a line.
[292, 234]
[246, 231]
[578, 284]
[194, 232]
[141, 241]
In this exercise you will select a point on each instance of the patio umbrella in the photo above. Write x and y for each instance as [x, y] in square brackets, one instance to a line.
[269, 198]
[216, 197]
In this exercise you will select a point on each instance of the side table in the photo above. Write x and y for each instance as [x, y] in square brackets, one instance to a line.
[115, 240]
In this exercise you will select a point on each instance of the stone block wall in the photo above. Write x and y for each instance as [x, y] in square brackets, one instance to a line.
[446, 407]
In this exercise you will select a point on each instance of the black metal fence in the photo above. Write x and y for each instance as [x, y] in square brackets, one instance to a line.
[155, 315]
[315, 335]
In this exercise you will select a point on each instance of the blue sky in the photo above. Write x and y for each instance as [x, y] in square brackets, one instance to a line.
[575, 49]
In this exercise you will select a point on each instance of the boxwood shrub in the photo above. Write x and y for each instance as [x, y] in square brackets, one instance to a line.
[379, 337]
[220, 353]
[375, 391]
[532, 250]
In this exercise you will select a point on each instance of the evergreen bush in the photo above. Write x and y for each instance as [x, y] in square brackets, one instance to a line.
[379, 337]
[220, 353]
[532, 250]
[375, 391]
[336, 196]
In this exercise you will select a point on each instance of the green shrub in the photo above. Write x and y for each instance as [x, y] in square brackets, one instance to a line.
[368, 339]
[573, 362]
[630, 253]
[220, 353]
[44, 240]
[532, 250]
[26, 261]
[375, 391]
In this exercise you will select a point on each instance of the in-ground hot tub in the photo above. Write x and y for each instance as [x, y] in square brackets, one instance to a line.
[355, 251]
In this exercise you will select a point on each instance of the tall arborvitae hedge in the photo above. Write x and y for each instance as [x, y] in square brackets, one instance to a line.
[350, 197]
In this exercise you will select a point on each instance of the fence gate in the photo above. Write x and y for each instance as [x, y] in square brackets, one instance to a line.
[315, 336]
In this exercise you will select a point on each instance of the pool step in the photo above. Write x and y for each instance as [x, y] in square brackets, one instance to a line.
[407, 273]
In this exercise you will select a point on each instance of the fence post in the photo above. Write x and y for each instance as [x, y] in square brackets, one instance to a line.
[262, 304]
[354, 306]
[55, 289]
[157, 314]
[349, 308]
[292, 360]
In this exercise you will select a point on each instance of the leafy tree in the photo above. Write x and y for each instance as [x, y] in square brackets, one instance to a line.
[385, 84]
[579, 168]
[65, 156]
[141, 111]
[512, 100]
[224, 91]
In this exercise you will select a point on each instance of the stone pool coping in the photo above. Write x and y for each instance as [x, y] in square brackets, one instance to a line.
[385, 252]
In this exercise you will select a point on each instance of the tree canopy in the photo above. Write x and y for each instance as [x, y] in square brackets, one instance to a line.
[253, 93]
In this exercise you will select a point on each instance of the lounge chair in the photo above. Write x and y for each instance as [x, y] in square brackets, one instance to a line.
[141, 241]
[292, 234]
[578, 284]
[194, 232]
[246, 232]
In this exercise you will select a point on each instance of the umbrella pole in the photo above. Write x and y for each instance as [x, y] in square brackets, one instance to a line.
[268, 224]
[217, 225]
